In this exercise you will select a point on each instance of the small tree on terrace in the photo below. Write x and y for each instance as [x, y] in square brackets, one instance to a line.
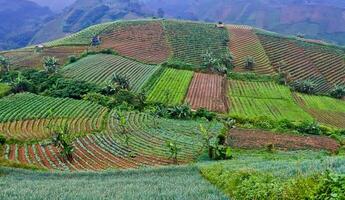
[50, 64]
[338, 91]
[121, 81]
[122, 122]
[61, 139]
[249, 63]
[174, 150]
[304, 86]
[4, 64]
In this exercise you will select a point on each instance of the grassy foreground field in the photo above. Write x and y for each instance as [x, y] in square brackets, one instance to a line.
[182, 183]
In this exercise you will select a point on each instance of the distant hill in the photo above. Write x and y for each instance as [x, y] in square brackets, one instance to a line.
[20, 20]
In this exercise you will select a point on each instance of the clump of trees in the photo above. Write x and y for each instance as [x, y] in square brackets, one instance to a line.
[304, 86]
[249, 63]
[338, 91]
[219, 64]
[61, 139]
[4, 64]
[50, 64]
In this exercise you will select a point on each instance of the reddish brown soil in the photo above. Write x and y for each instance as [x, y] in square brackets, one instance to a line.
[143, 42]
[207, 91]
[257, 139]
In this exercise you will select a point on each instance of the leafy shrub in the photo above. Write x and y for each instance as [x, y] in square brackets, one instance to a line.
[180, 112]
[338, 92]
[121, 81]
[304, 86]
[312, 128]
[50, 64]
[301, 187]
[332, 187]
[72, 59]
[100, 99]
[204, 113]
[249, 63]
[2, 139]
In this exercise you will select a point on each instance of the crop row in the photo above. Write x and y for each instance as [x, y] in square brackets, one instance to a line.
[189, 40]
[208, 91]
[141, 40]
[244, 43]
[171, 87]
[100, 68]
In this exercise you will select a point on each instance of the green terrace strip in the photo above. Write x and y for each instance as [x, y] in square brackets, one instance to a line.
[143, 144]
[183, 183]
[80, 38]
[100, 68]
[171, 87]
[190, 40]
[325, 109]
[4, 89]
[27, 116]
[264, 99]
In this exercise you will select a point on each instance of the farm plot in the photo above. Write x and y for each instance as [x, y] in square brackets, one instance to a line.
[264, 99]
[143, 145]
[4, 89]
[142, 40]
[83, 37]
[171, 87]
[208, 91]
[288, 57]
[100, 68]
[28, 117]
[325, 109]
[190, 40]
[244, 43]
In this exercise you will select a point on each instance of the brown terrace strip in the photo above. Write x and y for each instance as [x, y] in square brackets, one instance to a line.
[145, 42]
[208, 91]
[257, 139]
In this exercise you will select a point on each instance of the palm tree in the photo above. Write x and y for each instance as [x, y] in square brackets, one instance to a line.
[50, 64]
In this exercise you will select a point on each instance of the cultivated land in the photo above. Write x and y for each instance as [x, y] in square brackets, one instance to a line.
[125, 142]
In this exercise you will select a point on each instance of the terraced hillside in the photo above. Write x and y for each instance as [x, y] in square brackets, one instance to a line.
[243, 44]
[325, 109]
[142, 40]
[171, 87]
[145, 145]
[28, 117]
[264, 99]
[100, 68]
[190, 41]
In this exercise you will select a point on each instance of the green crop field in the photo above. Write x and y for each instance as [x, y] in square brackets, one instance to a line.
[171, 87]
[264, 99]
[194, 39]
[100, 68]
[182, 183]
[4, 89]
[325, 109]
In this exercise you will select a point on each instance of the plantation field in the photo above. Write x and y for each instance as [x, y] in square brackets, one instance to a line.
[143, 145]
[100, 68]
[325, 109]
[208, 91]
[190, 40]
[31, 117]
[244, 43]
[171, 87]
[4, 89]
[264, 99]
[141, 40]
[182, 183]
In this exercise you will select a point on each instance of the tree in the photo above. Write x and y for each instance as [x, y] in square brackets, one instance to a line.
[61, 140]
[122, 122]
[121, 81]
[249, 63]
[174, 150]
[50, 64]
[338, 91]
[4, 64]
[304, 86]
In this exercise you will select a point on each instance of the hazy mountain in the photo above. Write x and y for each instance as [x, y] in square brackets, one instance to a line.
[55, 5]
[20, 20]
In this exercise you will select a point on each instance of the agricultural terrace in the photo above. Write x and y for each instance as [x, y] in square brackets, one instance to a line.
[208, 91]
[184, 183]
[82, 37]
[27, 116]
[286, 56]
[190, 40]
[100, 68]
[171, 87]
[29, 58]
[244, 43]
[264, 99]
[141, 40]
[144, 144]
[4, 89]
[325, 109]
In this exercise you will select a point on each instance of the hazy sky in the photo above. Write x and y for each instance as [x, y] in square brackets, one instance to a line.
[55, 5]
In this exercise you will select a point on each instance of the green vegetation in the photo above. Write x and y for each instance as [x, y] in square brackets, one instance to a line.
[100, 68]
[171, 87]
[4, 89]
[194, 39]
[264, 99]
[182, 183]
[322, 103]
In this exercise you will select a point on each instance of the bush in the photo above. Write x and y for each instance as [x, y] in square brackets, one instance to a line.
[2, 139]
[72, 59]
[338, 92]
[100, 99]
[249, 63]
[204, 113]
[304, 86]
[178, 65]
[332, 186]
[312, 128]
[180, 112]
